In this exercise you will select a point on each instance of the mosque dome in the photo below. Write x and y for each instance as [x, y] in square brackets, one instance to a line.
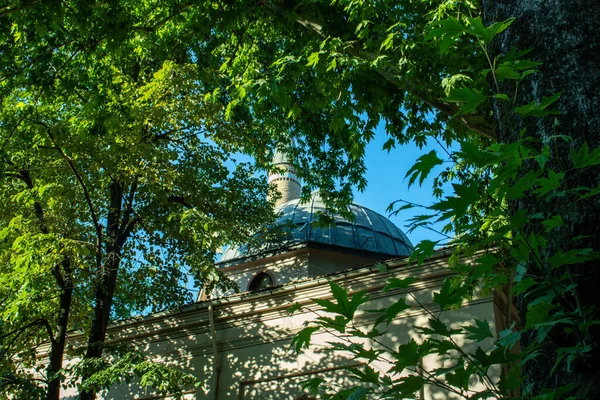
[369, 232]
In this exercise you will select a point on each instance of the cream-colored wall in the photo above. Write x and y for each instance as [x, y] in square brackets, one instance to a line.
[284, 270]
[325, 262]
[253, 333]
[298, 265]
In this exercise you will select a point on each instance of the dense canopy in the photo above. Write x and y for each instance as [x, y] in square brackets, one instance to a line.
[121, 122]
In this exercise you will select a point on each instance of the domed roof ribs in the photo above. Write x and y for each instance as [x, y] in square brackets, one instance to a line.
[366, 214]
[388, 232]
[357, 241]
[352, 235]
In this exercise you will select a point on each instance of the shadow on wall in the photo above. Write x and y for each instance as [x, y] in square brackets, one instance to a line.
[252, 336]
[253, 355]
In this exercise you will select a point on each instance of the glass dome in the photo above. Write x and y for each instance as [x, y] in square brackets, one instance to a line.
[370, 231]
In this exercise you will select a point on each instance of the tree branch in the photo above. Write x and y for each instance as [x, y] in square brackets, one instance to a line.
[180, 200]
[86, 193]
[128, 224]
[37, 322]
[149, 29]
[7, 10]
[389, 73]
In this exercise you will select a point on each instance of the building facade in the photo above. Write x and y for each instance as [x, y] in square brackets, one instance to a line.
[238, 344]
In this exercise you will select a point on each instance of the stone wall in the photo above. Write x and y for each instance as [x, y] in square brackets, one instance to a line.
[289, 189]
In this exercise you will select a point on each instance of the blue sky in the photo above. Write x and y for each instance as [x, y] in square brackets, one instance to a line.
[386, 183]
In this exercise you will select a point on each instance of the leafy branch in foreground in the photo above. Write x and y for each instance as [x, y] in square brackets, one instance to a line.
[405, 375]
[123, 365]
[513, 252]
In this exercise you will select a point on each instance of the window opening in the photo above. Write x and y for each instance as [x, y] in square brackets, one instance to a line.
[262, 280]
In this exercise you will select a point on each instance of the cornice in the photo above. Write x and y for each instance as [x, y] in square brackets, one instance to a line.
[247, 308]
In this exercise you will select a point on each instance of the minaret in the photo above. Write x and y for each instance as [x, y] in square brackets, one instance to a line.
[286, 182]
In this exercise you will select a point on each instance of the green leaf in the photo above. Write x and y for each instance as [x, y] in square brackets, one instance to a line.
[537, 313]
[293, 308]
[358, 299]
[546, 185]
[486, 34]
[338, 323]
[357, 350]
[480, 331]
[381, 267]
[584, 158]
[447, 31]
[506, 71]
[368, 376]
[423, 251]
[449, 296]
[590, 193]
[496, 356]
[408, 386]
[502, 96]
[388, 43]
[554, 222]
[312, 385]
[574, 256]
[508, 337]
[313, 59]
[302, 339]
[389, 145]
[329, 306]
[295, 112]
[486, 394]
[468, 194]
[521, 186]
[345, 307]
[534, 109]
[358, 393]
[450, 26]
[392, 311]
[437, 327]
[406, 356]
[423, 167]
[523, 286]
[474, 154]
[459, 378]
[470, 99]
[399, 283]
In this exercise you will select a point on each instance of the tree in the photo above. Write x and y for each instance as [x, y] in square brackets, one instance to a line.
[401, 62]
[552, 209]
[119, 185]
[569, 66]
[329, 72]
[118, 168]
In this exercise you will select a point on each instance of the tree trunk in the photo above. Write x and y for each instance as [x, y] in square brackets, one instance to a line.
[107, 281]
[57, 349]
[104, 298]
[565, 37]
[64, 281]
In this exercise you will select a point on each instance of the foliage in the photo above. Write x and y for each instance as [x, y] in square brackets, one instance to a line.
[102, 97]
[125, 365]
[510, 250]
[119, 181]
[121, 123]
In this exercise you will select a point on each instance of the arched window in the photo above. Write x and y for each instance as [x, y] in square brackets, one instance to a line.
[262, 280]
